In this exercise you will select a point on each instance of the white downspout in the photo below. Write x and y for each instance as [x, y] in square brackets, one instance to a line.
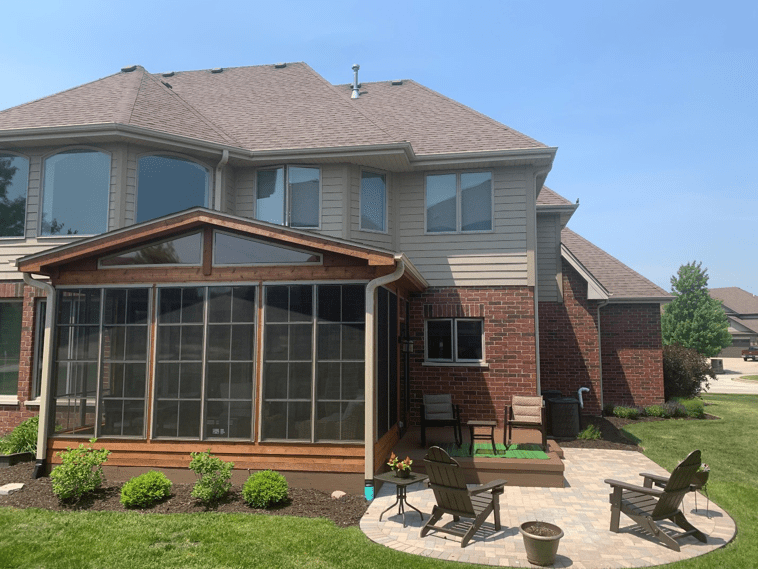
[47, 367]
[217, 190]
[370, 374]
[535, 259]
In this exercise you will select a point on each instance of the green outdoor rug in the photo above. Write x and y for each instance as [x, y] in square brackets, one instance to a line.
[484, 450]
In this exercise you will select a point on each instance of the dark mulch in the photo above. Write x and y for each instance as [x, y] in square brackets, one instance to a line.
[345, 511]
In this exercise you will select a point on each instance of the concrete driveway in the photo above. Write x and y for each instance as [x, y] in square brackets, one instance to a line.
[729, 382]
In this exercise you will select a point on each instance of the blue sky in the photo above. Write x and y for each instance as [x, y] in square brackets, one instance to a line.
[652, 104]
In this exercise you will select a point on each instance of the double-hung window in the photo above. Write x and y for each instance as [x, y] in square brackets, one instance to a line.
[288, 196]
[451, 340]
[459, 202]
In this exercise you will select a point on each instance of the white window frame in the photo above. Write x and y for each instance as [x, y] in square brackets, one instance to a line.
[287, 193]
[385, 221]
[454, 343]
[26, 196]
[458, 202]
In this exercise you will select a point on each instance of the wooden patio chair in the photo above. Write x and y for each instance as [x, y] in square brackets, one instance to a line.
[525, 413]
[647, 505]
[455, 498]
[439, 411]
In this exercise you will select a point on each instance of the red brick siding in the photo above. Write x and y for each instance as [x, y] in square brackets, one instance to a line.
[632, 354]
[508, 314]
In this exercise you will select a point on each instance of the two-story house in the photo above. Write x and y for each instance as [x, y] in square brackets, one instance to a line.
[260, 262]
[741, 309]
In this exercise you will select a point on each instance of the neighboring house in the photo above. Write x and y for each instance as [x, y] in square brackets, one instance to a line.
[741, 309]
[251, 260]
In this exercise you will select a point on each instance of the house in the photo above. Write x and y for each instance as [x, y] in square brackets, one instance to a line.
[260, 262]
[741, 309]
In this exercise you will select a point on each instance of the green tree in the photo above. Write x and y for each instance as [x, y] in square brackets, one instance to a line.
[694, 319]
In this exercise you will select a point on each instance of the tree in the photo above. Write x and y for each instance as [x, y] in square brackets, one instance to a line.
[694, 319]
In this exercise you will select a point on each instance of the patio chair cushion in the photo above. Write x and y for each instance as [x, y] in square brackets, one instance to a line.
[439, 407]
[527, 409]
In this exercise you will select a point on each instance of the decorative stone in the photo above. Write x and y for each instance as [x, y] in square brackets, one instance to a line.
[337, 494]
[10, 488]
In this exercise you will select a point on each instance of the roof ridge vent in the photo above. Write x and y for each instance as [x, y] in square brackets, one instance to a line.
[167, 84]
[356, 85]
[397, 82]
[217, 70]
[129, 68]
[280, 65]
[169, 74]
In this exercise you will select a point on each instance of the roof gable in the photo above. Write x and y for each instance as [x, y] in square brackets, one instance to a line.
[738, 300]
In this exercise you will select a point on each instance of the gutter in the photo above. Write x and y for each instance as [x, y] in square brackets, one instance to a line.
[47, 367]
[370, 373]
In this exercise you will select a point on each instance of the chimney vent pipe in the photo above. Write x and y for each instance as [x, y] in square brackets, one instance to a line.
[356, 92]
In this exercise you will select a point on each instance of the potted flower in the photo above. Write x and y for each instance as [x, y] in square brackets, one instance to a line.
[700, 479]
[541, 541]
[402, 468]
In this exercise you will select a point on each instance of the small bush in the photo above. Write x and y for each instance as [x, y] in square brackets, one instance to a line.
[656, 411]
[21, 439]
[694, 408]
[145, 490]
[626, 412]
[265, 489]
[608, 409]
[80, 473]
[685, 372]
[675, 409]
[590, 433]
[215, 476]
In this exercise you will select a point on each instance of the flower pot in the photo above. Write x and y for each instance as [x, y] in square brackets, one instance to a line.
[700, 479]
[541, 549]
[403, 473]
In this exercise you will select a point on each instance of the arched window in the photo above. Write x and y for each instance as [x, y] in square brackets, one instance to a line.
[76, 188]
[167, 184]
[14, 180]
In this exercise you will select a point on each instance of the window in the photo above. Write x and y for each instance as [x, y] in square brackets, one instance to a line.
[373, 202]
[14, 181]
[455, 340]
[167, 184]
[459, 202]
[39, 346]
[76, 187]
[185, 250]
[10, 346]
[235, 250]
[289, 196]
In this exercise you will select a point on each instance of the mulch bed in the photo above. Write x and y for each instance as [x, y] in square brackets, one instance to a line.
[345, 511]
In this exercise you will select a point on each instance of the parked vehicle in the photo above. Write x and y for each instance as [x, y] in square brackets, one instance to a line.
[750, 354]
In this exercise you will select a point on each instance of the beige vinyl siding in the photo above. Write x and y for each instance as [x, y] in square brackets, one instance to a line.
[333, 180]
[244, 196]
[549, 258]
[130, 203]
[495, 258]
[229, 178]
[12, 249]
[34, 194]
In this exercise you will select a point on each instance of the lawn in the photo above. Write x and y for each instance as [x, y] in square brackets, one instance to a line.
[35, 538]
[750, 377]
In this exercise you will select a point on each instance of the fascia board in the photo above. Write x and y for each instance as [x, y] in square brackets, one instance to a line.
[564, 211]
[641, 300]
[595, 290]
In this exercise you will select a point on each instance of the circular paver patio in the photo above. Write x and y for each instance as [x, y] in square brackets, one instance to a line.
[580, 508]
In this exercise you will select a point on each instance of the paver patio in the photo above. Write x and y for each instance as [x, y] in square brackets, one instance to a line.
[580, 508]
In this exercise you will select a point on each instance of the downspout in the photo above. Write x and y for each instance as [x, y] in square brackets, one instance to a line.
[537, 174]
[47, 366]
[600, 352]
[370, 373]
[217, 190]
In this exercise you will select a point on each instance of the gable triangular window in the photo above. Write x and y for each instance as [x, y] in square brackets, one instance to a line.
[235, 250]
[185, 250]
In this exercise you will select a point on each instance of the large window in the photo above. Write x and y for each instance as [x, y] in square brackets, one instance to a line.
[459, 202]
[455, 340]
[10, 346]
[186, 250]
[373, 202]
[167, 184]
[204, 362]
[76, 187]
[313, 362]
[289, 196]
[14, 181]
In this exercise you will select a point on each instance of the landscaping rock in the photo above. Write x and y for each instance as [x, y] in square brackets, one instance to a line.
[10, 488]
[337, 494]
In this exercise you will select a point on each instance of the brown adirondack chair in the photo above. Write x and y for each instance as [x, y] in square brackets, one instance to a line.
[647, 505]
[455, 498]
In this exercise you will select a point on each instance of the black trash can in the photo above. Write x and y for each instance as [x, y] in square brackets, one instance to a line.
[549, 395]
[564, 413]
[717, 364]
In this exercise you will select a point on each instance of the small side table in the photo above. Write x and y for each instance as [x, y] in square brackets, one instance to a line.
[487, 435]
[401, 485]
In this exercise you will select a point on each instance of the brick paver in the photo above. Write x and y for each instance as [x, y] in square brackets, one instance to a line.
[580, 508]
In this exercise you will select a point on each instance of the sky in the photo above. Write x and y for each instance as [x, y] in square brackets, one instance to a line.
[653, 105]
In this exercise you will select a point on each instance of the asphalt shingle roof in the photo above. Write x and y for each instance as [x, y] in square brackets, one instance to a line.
[736, 299]
[549, 197]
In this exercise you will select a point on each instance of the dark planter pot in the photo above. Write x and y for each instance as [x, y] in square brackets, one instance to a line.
[7, 460]
[700, 479]
[403, 473]
[541, 549]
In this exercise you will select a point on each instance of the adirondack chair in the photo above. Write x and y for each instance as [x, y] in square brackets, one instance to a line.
[455, 498]
[438, 411]
[647, 505]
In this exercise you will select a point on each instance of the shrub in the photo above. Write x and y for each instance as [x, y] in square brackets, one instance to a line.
[608, 409]
[590, 433]
[656, 411]
[685, 372]
[215, 476]
[21, 439]
[626, 412]
[145, 490]
[80, 473]
[675, 409]
[694, 408]
[264, 489]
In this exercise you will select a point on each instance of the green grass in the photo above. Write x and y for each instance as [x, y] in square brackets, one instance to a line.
[34, 538]
[750, 377]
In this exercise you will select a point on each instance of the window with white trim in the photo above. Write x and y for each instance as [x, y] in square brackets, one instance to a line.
[14, 182]
[373, 202]
[453, 340]
[288, 195]
[166, 184]
[459, 202]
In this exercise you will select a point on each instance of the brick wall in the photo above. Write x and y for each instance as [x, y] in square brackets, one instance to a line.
[482, 393]
[569, 354]
[632, 354]
[12, 415]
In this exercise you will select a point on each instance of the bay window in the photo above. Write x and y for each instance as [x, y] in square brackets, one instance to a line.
[14, 182]
[167, 184]
[289, 195]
